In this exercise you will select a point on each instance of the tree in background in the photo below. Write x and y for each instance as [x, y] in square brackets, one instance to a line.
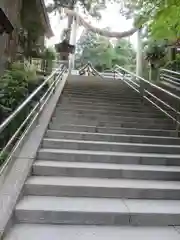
[102, 53]
[125, 54]
[48, 56]
[155, 53]
[89, 6]
[161, 17]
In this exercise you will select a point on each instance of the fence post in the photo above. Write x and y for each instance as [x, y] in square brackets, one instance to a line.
[141, 89]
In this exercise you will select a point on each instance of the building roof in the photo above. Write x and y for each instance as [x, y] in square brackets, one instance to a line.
[45, 19]
[6, 25]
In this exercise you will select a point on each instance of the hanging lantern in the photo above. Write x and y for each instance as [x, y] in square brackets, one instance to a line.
[5, 24]
[64, 48]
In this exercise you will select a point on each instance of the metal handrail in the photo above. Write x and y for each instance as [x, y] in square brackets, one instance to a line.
[141, 85]
[170, 71]
[83, 67]
[150, 83]
[53, 81]
[174, 79]
[14, 114]
[95, 71]
[89, 66]
[170, 76]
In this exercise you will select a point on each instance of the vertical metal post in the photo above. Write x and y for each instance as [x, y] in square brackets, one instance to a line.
[139, 58]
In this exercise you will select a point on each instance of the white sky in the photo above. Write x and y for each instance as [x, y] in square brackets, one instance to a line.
[110, 18]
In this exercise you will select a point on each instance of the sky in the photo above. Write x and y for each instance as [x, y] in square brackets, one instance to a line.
[110, 18]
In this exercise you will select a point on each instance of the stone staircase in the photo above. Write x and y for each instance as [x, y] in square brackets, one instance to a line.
[108, 168]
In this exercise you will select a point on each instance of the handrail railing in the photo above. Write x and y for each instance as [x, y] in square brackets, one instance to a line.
[170, 76]
[170, 71]
[148, 82]
[52, 81]
[95, 71]
[90, 69]
[162, 99]
[83, 67]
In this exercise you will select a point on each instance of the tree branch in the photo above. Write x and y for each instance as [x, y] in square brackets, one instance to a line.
[103, 32]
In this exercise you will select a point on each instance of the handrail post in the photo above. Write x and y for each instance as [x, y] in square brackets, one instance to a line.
[141, 90]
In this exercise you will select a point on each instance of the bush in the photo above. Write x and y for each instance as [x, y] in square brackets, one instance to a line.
[17, 83]
[49, 55]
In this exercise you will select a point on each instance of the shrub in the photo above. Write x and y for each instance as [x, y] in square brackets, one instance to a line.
[49, 55]
[17, 83]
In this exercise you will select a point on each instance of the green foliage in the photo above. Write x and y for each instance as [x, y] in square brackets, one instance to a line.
[162, 17]
[102, 53]
[33, 28]
[155, 51]
[15, 86]
[86, 4]
[93, 7]
[49, 54]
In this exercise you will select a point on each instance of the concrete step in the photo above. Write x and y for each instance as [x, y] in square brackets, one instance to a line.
[105, 108]
[82, 232]
[106, 170]
[90, 82]
[69, 119]
[105, 104]
[85, 90]
[101, 187]
[108, 117]
[105, 91]
[109, 146]
[116, 110]
[97, 211]
[110, 110]
[93, 82]
[123, 96]
[109, 102]
[109, 157]
[115, 130]
[100, 101]
[100, 94]
[102, 89]
[111, 137]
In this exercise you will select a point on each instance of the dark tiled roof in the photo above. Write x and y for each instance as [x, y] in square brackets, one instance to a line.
[48, 28]
[5, 23]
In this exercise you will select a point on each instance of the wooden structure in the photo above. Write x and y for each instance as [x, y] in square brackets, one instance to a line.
[64, 48]
[5, 24]
[20, 14]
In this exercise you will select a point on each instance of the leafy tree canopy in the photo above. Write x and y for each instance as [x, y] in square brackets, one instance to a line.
[102, 53]
[161, 17]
